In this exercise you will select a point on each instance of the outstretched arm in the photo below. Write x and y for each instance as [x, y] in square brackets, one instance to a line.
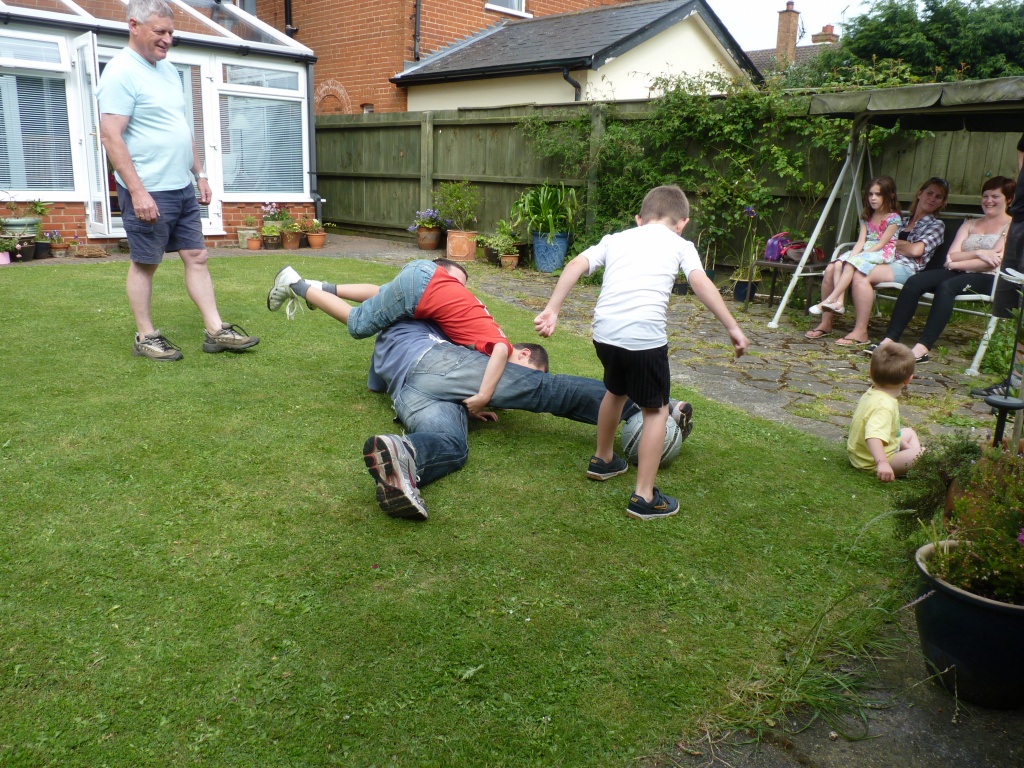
[545, 322]
[492, 373]
[706, 291]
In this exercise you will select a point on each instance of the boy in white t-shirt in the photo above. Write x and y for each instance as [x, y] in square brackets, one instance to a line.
[641, 265]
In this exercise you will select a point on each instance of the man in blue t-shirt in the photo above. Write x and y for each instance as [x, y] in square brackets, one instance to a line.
[147, 134]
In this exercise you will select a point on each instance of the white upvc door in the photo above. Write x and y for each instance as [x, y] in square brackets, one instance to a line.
[86, 64]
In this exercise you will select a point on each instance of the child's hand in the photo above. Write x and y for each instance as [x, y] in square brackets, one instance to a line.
[739, 341]
[545, 322]
[885, 473]
[475, 404]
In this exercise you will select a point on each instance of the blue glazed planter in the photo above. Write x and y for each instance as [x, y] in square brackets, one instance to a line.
[547, 257]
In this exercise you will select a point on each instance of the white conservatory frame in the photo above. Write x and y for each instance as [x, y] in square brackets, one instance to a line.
[85, 42]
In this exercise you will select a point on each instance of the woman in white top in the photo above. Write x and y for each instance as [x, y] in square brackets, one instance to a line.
[971, 265]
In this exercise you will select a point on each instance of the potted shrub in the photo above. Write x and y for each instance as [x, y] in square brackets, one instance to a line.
[428, 226]
[42, 244]
[291, 234]
[271, 236]
[247, 230]
[8, 246]
[25, 225]
[548, 211]
[970, 611]
[58, 245]
[746, 277]
[457, 201]
[315, 233]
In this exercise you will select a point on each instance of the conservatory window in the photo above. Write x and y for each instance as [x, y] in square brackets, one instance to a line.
[262, 144]
[261, 77]
[26, 51]
[35, 140]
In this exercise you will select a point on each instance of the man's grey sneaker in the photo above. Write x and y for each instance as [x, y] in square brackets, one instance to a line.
[1000, 390]
[230, 338]
[282, 292]
[660, 506]
[605, 470]
[392, 466]
[682, 414]
[155, 347]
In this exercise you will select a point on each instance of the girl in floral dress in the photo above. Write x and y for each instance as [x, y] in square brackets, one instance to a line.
[876, 243]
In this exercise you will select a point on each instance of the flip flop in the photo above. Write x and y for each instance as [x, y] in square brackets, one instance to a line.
[816, 333]
[846, 341]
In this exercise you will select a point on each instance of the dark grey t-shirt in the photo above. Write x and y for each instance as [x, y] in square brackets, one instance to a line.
[397, 348]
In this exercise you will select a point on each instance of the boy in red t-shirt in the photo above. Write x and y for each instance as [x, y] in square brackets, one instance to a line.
[422, 290]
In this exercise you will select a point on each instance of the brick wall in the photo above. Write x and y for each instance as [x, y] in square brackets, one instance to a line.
[361, 44]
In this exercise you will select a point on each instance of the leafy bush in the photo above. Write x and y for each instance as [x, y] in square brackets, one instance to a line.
[989, 525]
[457, 202]
[546, 210]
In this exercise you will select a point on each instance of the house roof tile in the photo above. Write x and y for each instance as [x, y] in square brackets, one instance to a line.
[578, 40]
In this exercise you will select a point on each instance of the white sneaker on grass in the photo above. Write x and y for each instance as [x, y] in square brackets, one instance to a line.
[282, 292]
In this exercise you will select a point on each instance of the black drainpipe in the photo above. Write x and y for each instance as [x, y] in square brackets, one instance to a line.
[288, 28]
[576, 86]
[416, 34]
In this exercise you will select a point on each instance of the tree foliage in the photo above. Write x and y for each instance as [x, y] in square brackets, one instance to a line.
[946, 40]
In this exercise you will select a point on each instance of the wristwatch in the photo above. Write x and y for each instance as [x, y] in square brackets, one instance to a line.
[202, 175]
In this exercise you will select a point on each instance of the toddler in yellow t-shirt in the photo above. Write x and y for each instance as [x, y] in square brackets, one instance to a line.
[877, 443]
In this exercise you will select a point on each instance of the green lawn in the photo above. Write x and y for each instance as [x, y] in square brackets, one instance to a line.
[194, 570]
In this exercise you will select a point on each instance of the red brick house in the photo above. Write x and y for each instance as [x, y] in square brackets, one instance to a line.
[360, 45]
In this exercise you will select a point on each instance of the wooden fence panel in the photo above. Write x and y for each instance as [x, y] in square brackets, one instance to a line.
[375, 170]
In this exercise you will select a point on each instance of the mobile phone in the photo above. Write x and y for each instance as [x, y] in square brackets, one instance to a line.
[903, 235]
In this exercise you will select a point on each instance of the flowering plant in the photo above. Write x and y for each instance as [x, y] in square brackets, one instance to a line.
[271, 212]
[429, 218]
[749, 252]
[312, 226]
[988, 523]
[51, 236]
[9, 244]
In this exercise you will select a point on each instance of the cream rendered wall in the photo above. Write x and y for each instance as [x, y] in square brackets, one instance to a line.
[548, 88]
[687, 48]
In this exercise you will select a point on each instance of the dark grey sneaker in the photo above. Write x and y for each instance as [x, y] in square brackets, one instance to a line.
[660, 506]
[155, 347]
[392, 466]
[605, 470]
[230, 338]
[682, 414]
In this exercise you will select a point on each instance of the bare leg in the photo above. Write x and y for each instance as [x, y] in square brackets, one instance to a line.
[334, 306]
[608, 417]
[910, 449]
[827, 286]
[843, 282]
[862, 293]
[139, 287]
[356, 291]
[199, 285]
[652, 442]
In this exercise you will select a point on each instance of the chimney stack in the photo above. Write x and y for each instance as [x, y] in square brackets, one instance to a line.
[827, 35]
[785, 44]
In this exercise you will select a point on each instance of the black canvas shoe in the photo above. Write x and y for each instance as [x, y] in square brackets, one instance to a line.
[660, 506]
[605, 470]
[999, 390]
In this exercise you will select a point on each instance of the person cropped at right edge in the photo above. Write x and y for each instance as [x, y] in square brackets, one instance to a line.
[1008, 295]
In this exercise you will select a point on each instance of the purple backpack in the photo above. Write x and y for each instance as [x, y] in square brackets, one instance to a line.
[776, 245]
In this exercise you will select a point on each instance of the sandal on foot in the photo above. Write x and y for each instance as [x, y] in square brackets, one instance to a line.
[847, 341]
[817, 333]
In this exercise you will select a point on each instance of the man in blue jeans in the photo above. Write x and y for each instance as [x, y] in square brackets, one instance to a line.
[427, 377]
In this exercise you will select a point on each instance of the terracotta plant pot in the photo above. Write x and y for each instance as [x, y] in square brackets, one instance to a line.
[59, 249]
[290, 240]
[316, 239]
[461, 245]
[428, 238]
[254, 243]
[509, 261]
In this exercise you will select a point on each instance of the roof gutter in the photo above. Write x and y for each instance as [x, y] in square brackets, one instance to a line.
[575, 84]
[119, 28]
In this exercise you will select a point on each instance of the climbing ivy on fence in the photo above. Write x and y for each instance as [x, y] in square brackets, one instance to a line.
[732, 148]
